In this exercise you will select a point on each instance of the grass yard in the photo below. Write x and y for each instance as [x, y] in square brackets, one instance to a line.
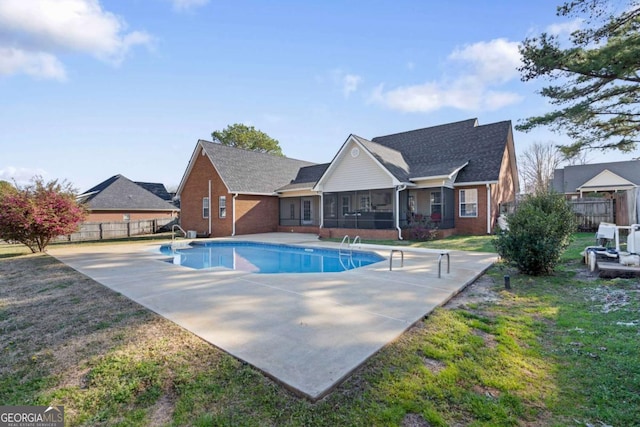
[559, 350]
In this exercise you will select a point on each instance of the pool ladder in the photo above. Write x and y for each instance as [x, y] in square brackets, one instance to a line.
[173, 234]
[345, 250]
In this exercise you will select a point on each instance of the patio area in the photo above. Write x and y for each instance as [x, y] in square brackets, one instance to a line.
[307, 331]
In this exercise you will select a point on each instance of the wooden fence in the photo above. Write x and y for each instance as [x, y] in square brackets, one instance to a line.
[590, 212]
[114, 230]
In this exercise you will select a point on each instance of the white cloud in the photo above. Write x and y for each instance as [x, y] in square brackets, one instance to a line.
[350, 83]
[484, 66]
[20, 175]
[40, 65]
[182, 5]
[45, 28]
[493, 61]
[566, 28]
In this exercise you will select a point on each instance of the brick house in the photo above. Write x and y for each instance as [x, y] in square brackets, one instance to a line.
[453, 176]
[119, 199]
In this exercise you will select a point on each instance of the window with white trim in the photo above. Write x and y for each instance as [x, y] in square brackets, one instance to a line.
[205, 207]
[222, 207]
[468, 203]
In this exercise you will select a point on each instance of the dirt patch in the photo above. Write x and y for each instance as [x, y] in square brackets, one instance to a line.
[483, 290]
[414, 420]
[433, 365]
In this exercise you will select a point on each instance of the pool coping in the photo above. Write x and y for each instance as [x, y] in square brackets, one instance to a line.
[307, 331]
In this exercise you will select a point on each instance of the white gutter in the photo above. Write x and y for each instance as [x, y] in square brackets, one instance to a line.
[488, 209]
[209, 198]
[322, 210]
[233, 215]
[399, 188]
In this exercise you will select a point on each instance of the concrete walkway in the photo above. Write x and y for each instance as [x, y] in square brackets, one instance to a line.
[308, 331]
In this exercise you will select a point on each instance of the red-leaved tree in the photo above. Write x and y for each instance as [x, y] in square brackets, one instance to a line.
[36, 213]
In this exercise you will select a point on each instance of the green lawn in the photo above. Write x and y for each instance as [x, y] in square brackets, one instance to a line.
[554, 351]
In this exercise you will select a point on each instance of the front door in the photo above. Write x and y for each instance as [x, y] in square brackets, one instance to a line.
[307, 211]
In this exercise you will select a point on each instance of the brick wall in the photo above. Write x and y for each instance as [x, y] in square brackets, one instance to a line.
[363, 233]
[195, 189]
[476, 225]
[256, 214]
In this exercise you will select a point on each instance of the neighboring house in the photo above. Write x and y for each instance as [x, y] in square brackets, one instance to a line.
[583, 180]
[454, 175]
[120, 199]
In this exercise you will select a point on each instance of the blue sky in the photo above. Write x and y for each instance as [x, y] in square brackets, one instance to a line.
[90, 89]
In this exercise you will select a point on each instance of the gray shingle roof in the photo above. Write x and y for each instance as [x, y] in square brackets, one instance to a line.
[245, 171]
[306, 178]
[440, 150]
[391, 159]
[156, 188]
[568, 179]
[120, 193]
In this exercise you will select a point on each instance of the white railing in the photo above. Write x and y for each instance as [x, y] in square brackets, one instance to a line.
[173, 233]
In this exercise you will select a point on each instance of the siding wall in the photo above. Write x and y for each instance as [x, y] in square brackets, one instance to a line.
[359, 173]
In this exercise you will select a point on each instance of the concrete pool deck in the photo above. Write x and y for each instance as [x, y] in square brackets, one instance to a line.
[308, 331]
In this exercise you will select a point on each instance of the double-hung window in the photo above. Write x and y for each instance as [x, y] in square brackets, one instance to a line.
[222, 207]
[205, 207]
[468, 203]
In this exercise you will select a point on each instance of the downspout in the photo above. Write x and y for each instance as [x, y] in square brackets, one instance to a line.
[321, 210]
[488, 208]
[233, 214]
[399, 188]
[209, 199]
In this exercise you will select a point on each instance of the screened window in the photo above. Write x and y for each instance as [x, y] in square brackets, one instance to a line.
[292, 211]
[222, 207]
[365, 203]
[346, 205]
[205, 207]
[436, 203]
[469, 203]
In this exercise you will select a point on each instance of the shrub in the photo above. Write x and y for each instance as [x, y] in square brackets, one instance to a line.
[35, 214]
[421, 229]
[539, 231]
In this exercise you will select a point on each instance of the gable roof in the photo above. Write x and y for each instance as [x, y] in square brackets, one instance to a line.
[606, 180]
[570, 178]
[246, 171]
[306, 178]
[475, 150]
[120, 193]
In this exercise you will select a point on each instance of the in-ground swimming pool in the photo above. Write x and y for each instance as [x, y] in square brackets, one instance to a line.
[267, 258]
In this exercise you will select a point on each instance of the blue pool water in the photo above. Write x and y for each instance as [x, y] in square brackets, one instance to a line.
[267, 258]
